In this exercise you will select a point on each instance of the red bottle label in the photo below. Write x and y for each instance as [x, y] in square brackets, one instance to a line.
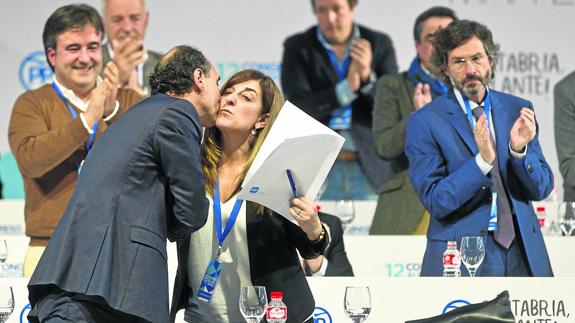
[276, 313]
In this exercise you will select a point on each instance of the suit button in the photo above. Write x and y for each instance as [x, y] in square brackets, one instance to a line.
[530, 168]
[483, 187]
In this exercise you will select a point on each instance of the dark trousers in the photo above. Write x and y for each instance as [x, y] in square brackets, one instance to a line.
[60, 306]
[501, 262]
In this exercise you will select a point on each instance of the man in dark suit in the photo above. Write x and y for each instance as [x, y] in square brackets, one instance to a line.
[126, 22]
[329, 71]
[476, 163]
[334, 261]
[398, 208]
[142, 183]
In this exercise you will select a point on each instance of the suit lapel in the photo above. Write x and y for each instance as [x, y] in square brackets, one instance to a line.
[502, 121]
[459, 121]
[327, 67]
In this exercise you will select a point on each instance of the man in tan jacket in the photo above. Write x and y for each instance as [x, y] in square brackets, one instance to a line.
[53, 127]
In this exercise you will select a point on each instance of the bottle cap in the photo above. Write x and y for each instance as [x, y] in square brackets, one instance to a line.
[277, 295]
[452, 243]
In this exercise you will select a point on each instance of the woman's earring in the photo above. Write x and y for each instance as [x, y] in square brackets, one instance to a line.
[254, 132]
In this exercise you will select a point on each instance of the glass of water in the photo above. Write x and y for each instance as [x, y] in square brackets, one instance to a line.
[6, 303]
[345, 211]
[253, 303]
[567, 218]
[357, 303]
[472, 253]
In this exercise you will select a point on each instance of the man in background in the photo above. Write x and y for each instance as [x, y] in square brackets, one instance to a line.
[399, 210]
[329, 71]
[565, 133]
[126, 22]
[53, 128]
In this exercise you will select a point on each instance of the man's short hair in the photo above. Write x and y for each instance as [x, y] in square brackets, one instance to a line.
[350, 2]
[74, 16]
[174, 73]
[457, 33]
[438, 11]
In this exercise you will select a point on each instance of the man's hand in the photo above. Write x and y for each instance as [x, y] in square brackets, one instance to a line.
[421, 95]
[483, 140]
[95, 109]
[128, 53]
[523, 130]
[111, 78]
[361, 54]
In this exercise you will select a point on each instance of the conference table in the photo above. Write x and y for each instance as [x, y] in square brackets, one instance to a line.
[388, 265]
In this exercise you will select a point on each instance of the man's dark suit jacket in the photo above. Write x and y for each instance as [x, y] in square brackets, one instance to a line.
[309, 79]
[141, 183]
[274, 262]
[338, 263]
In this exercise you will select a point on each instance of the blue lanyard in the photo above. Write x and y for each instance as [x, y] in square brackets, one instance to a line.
[74, 115]
[218, 215]
[486, 110]
[341, 72]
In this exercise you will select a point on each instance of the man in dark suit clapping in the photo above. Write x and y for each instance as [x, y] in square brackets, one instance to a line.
[329, 71]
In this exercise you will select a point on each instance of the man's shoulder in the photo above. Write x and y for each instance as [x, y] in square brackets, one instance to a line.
[393, 79]
[567, 83]
[502, 96]
[375, 37]
[43, 92]
[302, 39]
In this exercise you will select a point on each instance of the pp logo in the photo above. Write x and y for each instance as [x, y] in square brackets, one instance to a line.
[254, 189]
[321, 315]
[24, 313]
[454, 304]
[34, 71]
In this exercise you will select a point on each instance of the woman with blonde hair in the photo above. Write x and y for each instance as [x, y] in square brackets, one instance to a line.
[261, 247]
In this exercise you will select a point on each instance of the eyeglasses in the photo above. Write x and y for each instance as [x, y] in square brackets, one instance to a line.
[459, 63]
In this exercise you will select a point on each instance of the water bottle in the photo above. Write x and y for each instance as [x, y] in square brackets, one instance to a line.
[277, 310]
[543, 219]
[451, 260]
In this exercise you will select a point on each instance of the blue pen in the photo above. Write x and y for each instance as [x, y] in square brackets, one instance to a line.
[292, 183]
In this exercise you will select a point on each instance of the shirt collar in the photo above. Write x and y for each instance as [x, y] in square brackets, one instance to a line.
[355, 34]
[72, 97]
[459, 97]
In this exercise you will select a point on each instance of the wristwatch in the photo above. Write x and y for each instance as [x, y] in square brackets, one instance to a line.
[367, 86]
[321, 235]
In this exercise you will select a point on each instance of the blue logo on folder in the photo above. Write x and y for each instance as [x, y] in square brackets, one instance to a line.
[254, 189]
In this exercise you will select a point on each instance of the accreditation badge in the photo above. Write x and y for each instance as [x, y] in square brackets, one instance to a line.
[210, 280]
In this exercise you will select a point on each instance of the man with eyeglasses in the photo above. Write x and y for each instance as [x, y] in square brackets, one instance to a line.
[476, 163]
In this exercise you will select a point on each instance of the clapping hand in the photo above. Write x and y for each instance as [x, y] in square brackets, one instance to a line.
[523, 130]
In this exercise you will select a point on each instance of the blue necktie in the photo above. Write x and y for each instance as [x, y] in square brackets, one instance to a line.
[505, 232]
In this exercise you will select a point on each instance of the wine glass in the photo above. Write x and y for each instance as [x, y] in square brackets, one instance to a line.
[345, 211]
[357, 303]
[567, 218]
[6, 303]
[253, 303]
[3, 257]
[472, 253]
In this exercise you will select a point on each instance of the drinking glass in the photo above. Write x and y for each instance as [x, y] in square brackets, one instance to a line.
[253, 303]
[472, 253]
[3, 257]
[357, 303]
[567, 218]
[6, 303]
[345, 211]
